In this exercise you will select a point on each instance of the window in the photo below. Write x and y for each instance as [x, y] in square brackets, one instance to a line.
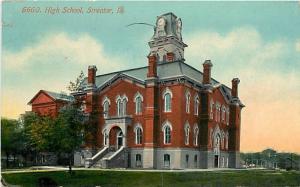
[105, 109]
[223, 113]
[167, 128]
[187, 133]
[122, 105]
[227, 116]
[167, 135]
[211, 109]
[167, 99]
[187, 100]
[196, 105]
[166, 160]
[138, 99]
[138, 160]
[196, 133]
[138, 135]
[124, 112]
[138, 105]
[119, 107]
[195, 160]
[187, 160]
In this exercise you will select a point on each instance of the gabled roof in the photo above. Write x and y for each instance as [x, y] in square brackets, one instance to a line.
[164, 71]
[53, 95]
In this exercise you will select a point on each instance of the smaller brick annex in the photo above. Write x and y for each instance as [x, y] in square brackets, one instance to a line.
[165, 115]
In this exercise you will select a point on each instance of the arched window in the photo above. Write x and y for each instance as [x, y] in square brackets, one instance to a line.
[167, 128]
[167, 99]
[120, 107]
[227, 116]
[196, 134]
[166, 160]
[138, 135]
[196, 105]
[187, 134]
[138, 105]
[211, 109]
[105, 109]
[187, 102]
[124, 112]
[223, 113]
[167, 96]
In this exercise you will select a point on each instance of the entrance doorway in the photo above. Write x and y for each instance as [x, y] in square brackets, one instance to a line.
[119, 139]
[216, 161]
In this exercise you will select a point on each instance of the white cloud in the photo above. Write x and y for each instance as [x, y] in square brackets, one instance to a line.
[79, 50]
[268, 88]
[49, 64]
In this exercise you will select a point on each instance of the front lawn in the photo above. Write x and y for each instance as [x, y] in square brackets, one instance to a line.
[89, 178]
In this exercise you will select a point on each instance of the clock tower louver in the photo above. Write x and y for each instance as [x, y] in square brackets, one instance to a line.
[166, 42]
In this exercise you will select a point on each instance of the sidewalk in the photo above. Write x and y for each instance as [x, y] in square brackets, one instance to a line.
[59, 168]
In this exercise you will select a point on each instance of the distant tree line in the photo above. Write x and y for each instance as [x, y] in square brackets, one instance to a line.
[270, 158]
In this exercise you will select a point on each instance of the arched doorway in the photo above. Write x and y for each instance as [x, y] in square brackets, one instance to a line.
[116, 138]
[119, 139]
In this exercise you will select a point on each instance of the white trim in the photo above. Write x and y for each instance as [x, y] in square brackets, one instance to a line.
[187, 101]
[196, 134]
[187, 133]
[105, 99]
[167, 90]
[165, 125]
[138, 94]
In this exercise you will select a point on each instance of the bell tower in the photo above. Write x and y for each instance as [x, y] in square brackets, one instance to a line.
[167, 40]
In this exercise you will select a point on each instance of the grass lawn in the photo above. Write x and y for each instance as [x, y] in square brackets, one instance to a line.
[88, 178]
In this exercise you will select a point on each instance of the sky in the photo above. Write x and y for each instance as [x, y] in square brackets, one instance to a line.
[259, 42]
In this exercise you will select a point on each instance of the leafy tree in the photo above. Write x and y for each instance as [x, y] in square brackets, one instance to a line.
[75, 86]
[67, 132]
[11, 142]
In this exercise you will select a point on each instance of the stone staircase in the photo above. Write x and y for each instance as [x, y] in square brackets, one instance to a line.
[108, 158]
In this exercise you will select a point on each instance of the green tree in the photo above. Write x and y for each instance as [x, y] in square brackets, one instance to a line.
[11, 142]
[75, 86]
[67, 134]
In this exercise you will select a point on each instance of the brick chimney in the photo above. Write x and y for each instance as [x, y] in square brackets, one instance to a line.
[170, 57]
[152, 66]
[234, 90]
[206, 72]
[92, 74]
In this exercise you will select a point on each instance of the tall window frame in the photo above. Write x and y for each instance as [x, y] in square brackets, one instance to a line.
[167, 132]
[187, 102]
[186, 133]
[138, 100]
[138, 130]
[196, 134]
[196, 105]
[167, 97]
